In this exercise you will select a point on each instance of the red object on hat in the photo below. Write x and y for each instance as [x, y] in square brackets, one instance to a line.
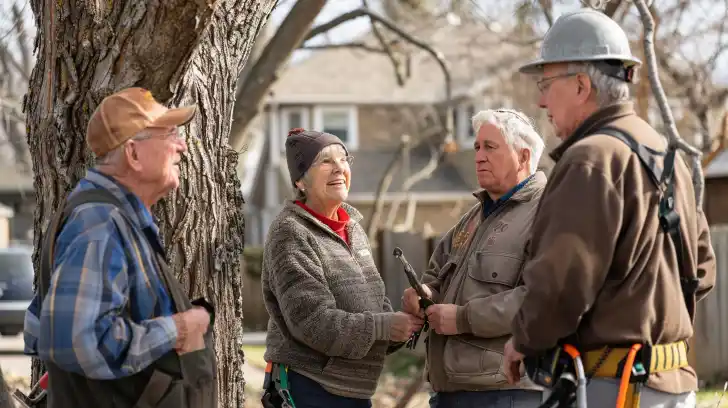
[296, 131]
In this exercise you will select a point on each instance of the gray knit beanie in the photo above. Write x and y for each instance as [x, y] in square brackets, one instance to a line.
[302, 147]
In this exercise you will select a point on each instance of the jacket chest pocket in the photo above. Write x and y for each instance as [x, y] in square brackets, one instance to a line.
[490, 273]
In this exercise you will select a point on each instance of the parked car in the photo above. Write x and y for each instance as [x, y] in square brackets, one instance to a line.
[16, 288]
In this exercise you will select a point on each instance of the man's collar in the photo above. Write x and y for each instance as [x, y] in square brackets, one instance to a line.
[132, 203]
[595, 121]
[523, 191]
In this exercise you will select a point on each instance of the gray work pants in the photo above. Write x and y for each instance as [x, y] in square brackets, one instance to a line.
[486, 399]
[602, 393]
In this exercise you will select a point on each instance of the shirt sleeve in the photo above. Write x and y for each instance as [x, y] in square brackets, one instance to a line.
[82, 324]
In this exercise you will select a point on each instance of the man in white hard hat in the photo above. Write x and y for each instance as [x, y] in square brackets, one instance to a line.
[620, 253]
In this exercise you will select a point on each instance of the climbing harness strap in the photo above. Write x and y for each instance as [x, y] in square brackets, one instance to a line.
[633, 365]
[276, 392]
[669, 218]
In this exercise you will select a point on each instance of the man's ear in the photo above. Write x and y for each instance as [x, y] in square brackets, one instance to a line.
[524, 157]
[584, 84]
[130, 153]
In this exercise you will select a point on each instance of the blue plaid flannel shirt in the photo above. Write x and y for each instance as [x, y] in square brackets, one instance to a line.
[102, 266]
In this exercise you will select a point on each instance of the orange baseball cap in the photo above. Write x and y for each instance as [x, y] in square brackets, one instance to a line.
[122, 115]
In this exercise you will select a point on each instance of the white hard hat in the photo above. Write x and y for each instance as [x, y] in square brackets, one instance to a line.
[583, 35]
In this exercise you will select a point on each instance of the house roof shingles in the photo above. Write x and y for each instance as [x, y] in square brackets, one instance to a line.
[476, 59]
[369, 168]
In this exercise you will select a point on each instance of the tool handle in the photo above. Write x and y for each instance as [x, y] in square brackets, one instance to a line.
[43, 382]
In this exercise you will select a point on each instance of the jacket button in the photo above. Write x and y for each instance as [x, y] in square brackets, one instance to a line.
[494, 274]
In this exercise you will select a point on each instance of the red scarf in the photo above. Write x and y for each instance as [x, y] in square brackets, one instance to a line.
[338, 226]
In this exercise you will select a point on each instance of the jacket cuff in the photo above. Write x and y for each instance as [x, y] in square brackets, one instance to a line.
[382, 325]
[523, 348]
[461, 320]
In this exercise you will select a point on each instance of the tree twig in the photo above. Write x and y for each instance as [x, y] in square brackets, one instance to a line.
[659, 93]
[425, 172]
[359, 45]
[382, 187]
[387, 48]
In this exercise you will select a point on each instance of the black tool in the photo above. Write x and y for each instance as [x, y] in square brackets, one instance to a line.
[425, 302]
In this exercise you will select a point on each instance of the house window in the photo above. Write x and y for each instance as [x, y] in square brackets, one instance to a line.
[292, 118]
[462, 119]
[339, 121]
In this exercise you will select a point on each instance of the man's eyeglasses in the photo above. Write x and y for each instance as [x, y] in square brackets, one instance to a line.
[544, 84]
[174, 135]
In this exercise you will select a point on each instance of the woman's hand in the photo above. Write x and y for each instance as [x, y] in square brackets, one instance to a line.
[403, 325]
[411, 301]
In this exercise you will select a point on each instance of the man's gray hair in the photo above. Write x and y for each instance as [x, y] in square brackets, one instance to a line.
[516, 128]
[610, 90]
[113, 155]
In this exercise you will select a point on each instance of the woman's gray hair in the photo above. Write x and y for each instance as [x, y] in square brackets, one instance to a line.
[325, 153]
[516, 128]
[610, 90]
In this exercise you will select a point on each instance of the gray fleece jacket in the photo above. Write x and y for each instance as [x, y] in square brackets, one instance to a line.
[329, 317]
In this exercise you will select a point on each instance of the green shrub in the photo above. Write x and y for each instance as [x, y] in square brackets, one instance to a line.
[253, 258]
[404, 363]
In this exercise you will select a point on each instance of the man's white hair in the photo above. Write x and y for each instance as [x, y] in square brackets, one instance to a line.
[609, 90]
[113, 156]
[516, 128]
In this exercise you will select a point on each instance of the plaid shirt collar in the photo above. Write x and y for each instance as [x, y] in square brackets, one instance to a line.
[132, 203]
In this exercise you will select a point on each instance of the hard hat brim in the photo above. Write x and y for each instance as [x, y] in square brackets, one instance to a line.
[536, 67]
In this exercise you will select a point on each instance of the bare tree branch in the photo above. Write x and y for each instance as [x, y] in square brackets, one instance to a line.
[291, 34]
[382, 187]
[320, 29]
[358, 45]
[387, 48]
[669, 122]
[264, 72]
[436, 155]
[547, 8]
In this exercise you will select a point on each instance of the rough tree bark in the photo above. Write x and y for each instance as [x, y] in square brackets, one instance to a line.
[6, 400]
[183, 51]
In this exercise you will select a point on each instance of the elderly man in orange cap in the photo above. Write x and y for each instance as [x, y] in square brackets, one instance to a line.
[110, 320]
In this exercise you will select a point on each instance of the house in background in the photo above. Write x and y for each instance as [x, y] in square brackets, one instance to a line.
[17, 194]
[6, 214]
[354, 94]
[716, 189]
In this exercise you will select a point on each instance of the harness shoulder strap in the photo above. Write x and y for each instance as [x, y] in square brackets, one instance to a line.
[54, 228]
[663, 178]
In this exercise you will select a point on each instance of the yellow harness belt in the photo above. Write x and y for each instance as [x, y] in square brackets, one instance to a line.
[619, 363]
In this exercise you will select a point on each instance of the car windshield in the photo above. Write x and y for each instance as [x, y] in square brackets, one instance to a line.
[17, 265]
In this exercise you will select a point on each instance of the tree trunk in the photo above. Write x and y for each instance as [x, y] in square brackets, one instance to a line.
[6, 399]
[184, 51]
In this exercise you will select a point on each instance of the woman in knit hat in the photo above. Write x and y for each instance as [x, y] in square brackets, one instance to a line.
[330, 325]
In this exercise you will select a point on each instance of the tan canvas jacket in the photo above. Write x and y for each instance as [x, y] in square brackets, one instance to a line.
[477, 266]
[600, 270]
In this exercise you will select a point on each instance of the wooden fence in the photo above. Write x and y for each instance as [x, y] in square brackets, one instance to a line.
[709, 351]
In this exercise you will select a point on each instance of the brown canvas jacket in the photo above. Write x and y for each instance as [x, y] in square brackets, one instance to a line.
[600, 268]
[477, 266]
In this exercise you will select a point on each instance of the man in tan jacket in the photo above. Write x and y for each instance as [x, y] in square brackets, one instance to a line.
[604, 272]
[474, 273]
